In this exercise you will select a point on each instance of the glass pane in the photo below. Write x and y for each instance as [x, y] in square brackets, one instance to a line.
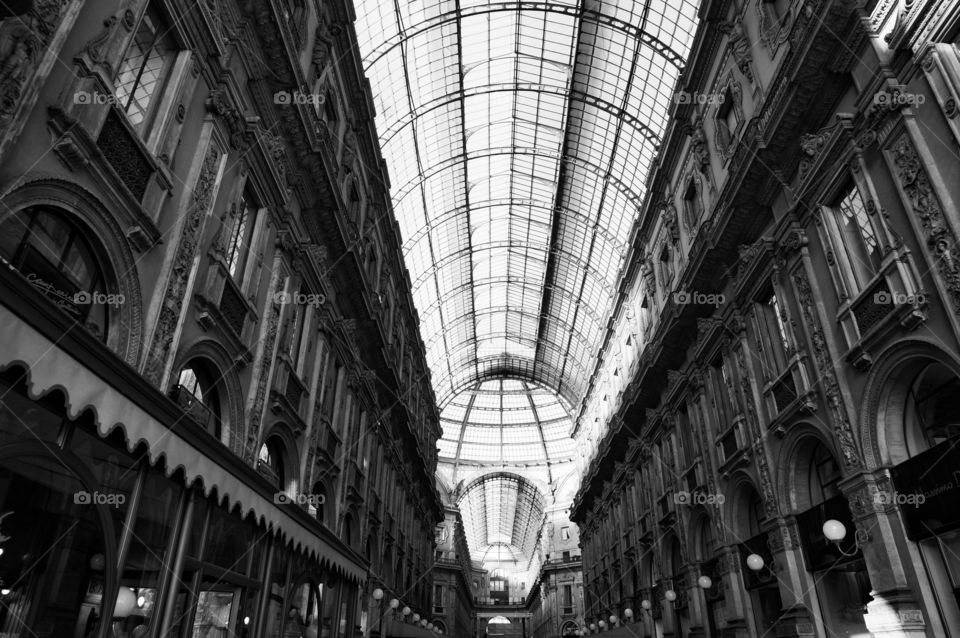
[214, 613]
[146, 563]
[114, 471]
[476, 103]
[53, 561]
[22, 418]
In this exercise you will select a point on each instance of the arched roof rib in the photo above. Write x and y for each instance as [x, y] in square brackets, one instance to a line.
[518, 136]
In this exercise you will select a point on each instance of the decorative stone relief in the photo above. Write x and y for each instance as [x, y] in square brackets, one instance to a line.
[698, 144]
[739, 46]
[669, 213]
[828, 380]
[263, 378]
[203, 193]
[23, 40]
[926, 208]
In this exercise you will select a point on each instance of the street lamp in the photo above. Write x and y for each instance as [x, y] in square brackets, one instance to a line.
[835, 531]
[705, 582]
[670, 595]
[628, 613]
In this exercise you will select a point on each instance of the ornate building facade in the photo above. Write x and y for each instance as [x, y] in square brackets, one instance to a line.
[217, 417]
[780, 457]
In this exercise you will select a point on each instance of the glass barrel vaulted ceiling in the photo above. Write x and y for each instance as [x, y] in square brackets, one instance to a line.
[518, 137]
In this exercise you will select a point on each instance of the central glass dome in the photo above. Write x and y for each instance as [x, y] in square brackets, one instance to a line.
[506, 422]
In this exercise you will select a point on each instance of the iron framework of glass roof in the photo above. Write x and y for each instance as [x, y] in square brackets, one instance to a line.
[502, 515]
[518, 136]
[506, 422]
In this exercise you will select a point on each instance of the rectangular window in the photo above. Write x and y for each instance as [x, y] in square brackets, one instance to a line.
[692, 205]
[857, 236]
[145, 69]
[772, 339]
[241, 232]
[565, 533]
[438, 598]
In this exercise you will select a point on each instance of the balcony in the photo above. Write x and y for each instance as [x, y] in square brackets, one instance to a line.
[734, 447]
[355, 482]
[196, 410]
[693, 478]
[288, 392]
[666, 510]
[789, 394]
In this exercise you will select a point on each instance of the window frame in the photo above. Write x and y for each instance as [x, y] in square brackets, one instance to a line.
[161, 97]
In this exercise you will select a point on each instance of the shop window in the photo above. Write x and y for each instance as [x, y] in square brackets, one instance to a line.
[22, 418]
[217, 590]
[54, 254]
[145, 69]
[114, 470]
[197, 393]
[152, 530]
[303, 615]
[53, 567]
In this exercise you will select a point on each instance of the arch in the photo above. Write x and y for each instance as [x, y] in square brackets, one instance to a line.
[499, 620]
[350, 528]
[802, 447]
[439, 627]
[671, 556]
[569, 628]
[78, 471]
[701, 536]
[319, 502]
[745, 508]
[227, 383]
[118, 265]
[281, 444]
[885, 397]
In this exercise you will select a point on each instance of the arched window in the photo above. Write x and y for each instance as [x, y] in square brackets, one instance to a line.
[823, 475]
[270, 461]
[319, 502]
[932, 413]
[196, 392]
[348, 529]
[53, 254]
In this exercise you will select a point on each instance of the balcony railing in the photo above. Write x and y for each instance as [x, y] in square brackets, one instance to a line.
[198, 412]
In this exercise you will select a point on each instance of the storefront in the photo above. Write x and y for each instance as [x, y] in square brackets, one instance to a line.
[136, 531]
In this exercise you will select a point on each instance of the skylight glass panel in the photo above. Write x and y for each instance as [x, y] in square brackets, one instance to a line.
[475, 102]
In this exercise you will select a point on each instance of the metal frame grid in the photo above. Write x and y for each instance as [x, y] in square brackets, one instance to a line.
[502, 515]
[518, 136]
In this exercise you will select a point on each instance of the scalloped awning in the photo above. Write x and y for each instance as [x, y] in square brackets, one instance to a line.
[51, 367]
